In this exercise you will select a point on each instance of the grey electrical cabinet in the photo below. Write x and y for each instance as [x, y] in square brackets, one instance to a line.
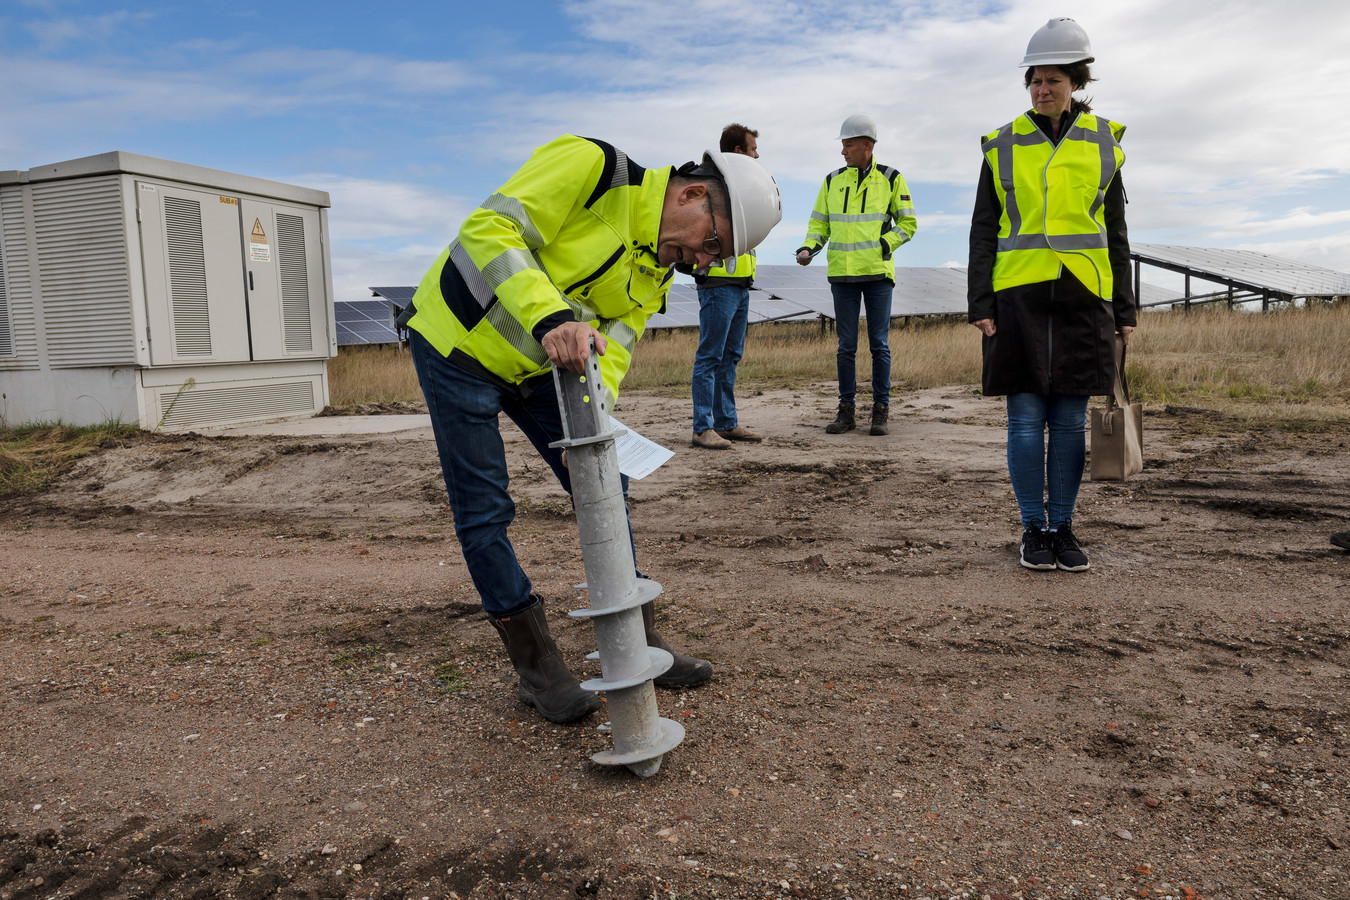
[140, 290]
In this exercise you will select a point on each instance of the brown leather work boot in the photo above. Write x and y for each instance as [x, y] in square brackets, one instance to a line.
[741, 433]
[711, 440]
[688, 671]
[545, 681]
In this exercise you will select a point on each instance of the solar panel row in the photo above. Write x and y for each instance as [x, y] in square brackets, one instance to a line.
[364, 322]
[1259, 270]
[785, 292]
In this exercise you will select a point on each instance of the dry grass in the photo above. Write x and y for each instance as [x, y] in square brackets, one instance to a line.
[372, 373]
[33, 457]
[1290, 364]
[1280, 364]
[924, 353]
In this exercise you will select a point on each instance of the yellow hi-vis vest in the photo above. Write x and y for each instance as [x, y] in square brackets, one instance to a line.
[1052, 199]
[865, 217]
[745, 268]
[575, 228]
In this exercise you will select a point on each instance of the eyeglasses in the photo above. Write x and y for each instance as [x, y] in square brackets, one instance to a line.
[713, 245]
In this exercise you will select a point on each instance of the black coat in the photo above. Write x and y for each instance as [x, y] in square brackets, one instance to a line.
[1054, 337]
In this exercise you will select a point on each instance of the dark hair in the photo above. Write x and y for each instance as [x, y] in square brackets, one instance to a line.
[1079, 74]
[733, 137]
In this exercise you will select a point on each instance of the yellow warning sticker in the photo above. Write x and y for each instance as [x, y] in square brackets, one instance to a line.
[257, 235]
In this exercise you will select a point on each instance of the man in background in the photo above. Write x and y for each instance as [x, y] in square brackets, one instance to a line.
[865, 213]
[723, 307]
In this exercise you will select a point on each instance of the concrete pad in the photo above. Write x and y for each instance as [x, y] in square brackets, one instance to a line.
[333, 426]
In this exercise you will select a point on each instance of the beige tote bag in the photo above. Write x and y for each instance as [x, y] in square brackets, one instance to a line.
[1118, 430]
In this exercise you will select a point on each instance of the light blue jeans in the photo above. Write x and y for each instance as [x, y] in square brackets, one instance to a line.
[722, 314]
[1037, 473]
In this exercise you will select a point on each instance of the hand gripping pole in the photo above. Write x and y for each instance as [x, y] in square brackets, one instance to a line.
[627, 664]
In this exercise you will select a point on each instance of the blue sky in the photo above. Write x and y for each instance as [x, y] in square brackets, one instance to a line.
[409, 114]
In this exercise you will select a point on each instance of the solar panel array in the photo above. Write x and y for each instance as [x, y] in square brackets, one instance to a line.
[1260, 270]
[682, 308]
[364, 322]
[400, 295]
[919, 290]
[1152, 295]
[792, 291]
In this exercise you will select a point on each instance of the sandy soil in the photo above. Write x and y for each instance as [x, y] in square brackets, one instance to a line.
[254, 667]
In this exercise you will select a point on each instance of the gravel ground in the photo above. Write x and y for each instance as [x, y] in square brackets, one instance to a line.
[249, 666]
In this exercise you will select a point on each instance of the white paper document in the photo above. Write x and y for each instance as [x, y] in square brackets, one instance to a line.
[638, 457]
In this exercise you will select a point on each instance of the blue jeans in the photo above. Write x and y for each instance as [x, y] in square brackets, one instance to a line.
[875, 298]
[1036, 472]
[722, 314]
[464, 408]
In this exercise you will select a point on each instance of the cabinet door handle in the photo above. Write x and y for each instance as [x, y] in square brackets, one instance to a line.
[250, 280]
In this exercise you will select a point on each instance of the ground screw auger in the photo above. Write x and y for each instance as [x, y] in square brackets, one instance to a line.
[627, 664]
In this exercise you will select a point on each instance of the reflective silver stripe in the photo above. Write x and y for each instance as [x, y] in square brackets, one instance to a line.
[512, 209]
[515, 334]
[1096, 204]
[818, 216]
[582, 312]
[819, 238]
[1105, 141]
[1003, 143]
[860, 217]
[620, 169]
[618, 330]
[509, 262]
[512, 331]
[902, 211]
[1064, 242]
[857, 245]
[472, 277]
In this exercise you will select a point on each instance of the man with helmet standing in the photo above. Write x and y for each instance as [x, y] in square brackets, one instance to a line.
[864, 212]
[723, 311]
[577, 246]
[1049, 283]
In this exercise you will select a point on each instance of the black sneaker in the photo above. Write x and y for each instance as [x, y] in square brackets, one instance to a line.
[1341, 539]
[1069, 554]
[1036, 552]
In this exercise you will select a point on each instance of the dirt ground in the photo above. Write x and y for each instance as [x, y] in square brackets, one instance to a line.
[243, 666]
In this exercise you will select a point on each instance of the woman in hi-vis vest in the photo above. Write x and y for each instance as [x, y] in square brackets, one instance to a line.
[1049, 283]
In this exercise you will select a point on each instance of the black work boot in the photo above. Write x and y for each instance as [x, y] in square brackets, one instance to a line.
[545, 682]
[688, 671]
[843, 420]
[880, 413]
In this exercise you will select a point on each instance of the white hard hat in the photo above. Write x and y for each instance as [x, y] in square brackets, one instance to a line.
[1058, 42]
[752, 194]
[858, 125]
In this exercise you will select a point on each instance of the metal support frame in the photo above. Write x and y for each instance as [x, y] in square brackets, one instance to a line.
[627, 664]
[1233, 291]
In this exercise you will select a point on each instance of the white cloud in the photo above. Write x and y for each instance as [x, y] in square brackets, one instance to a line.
[1233, 112]
[356, 268]
[367, 209]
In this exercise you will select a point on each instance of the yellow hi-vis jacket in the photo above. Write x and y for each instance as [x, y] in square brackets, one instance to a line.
[570, 237]
[1052, 197]
[858, 214]
[745, 269]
